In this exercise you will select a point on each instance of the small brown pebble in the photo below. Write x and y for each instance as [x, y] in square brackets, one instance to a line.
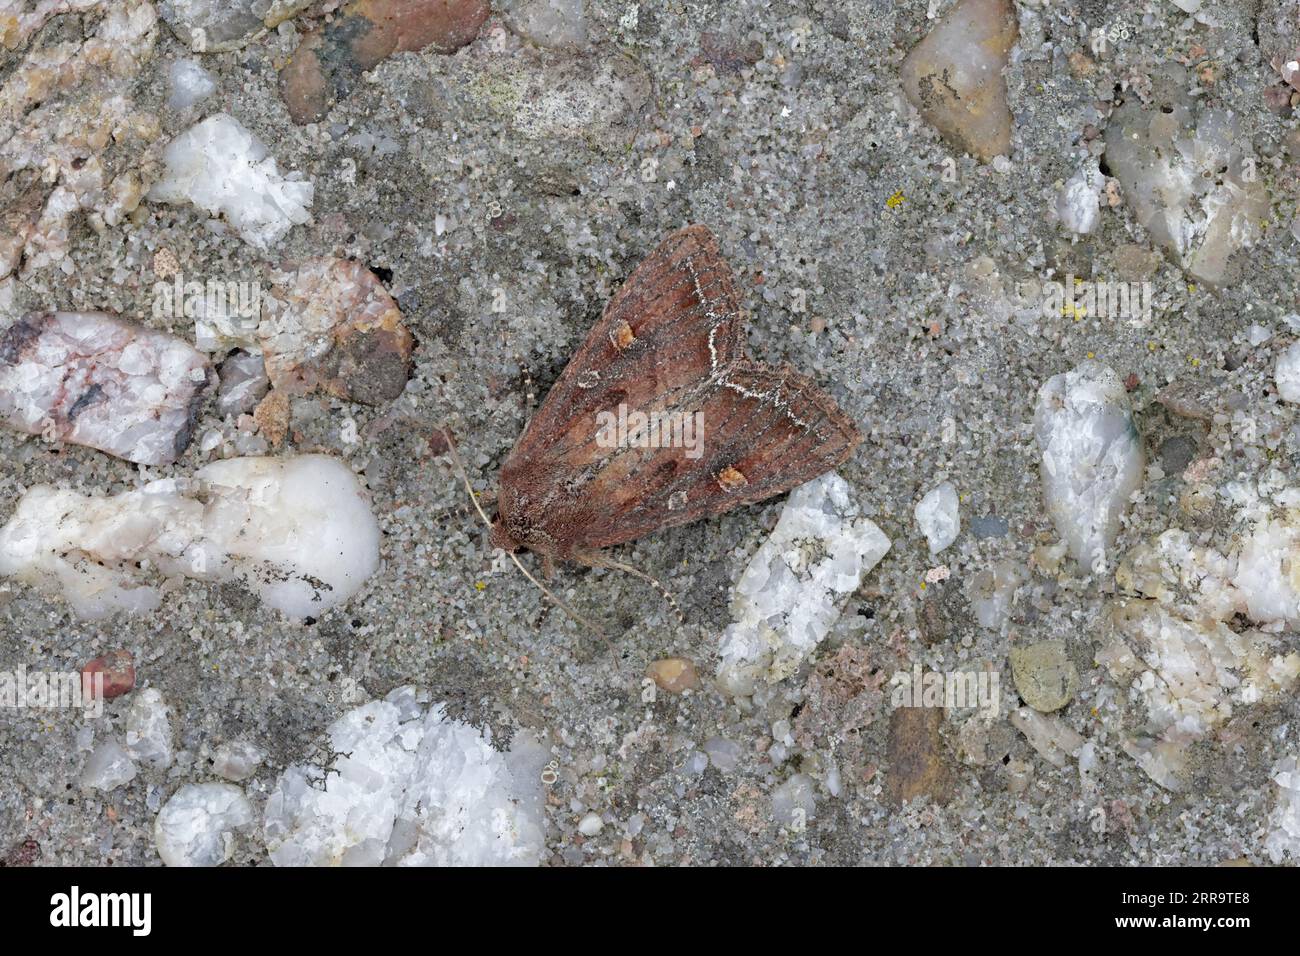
[118, 670]
[674, 674]
[918, 762]
[1132, 382]
[272, 417]
[329, 62]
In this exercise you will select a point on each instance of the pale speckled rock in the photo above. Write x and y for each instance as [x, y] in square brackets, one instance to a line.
[74, 144]
[92, 379]
[336, 328]
[954, 76]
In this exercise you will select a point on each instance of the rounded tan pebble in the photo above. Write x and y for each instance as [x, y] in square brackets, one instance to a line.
[674, 674]
[1045, 676]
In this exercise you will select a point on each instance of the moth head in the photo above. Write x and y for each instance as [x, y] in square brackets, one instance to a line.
[501, 537]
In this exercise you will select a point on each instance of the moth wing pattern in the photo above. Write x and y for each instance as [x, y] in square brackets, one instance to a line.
[675, 319]
[767, 430]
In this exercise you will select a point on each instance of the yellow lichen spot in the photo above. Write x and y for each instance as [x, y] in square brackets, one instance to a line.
[896, 200]
[480, 586]
[1092, 355]
[729, 479]
[1151, 346]
[1191, 287]
[1194, 360]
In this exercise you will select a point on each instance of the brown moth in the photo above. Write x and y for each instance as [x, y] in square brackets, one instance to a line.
[671, 342]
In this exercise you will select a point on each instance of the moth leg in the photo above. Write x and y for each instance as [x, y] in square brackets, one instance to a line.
[598, 559]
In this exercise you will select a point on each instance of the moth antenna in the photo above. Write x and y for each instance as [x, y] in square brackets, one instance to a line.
[604, 561]
[556, 599]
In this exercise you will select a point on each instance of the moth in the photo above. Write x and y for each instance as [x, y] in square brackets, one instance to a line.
[669, 348]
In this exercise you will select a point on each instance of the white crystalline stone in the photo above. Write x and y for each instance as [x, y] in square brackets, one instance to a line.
[195, 827]
[1092, 458]
[937, 516]
[1079, 204]
[93, 379]
[297, 531]
[237, 760]
[1288, 374]
[591, 824]
[1047, 734]
[222, 168]
[789, 596]
[108, 768]
[189, 84]
[1268, 569]
[149, 730]
[1189, 675]
[1284, 838]
[407, 786]
[1173, 647]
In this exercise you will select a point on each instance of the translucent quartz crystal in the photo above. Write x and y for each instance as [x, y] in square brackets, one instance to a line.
[1092, 458]
[790, 595]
